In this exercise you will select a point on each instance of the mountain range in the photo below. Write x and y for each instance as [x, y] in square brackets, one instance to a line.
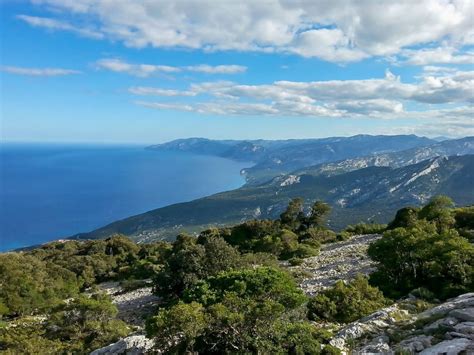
[272, 158]
[364, 178]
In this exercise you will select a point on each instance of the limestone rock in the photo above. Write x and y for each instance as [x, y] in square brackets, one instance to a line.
[131, 345]
[449, 347]
[415, 344]
[372, 324]
[338, 261]
[443, 322]
[465, 328]
[463, 301]
[465, 314]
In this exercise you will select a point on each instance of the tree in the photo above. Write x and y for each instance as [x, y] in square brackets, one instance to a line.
[405, 217]
[292, 213]
[319, 212]
[439, 211]
[423, 256]
[190, 261]
[184, 267]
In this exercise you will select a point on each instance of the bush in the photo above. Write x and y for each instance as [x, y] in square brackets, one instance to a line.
[365, 228]
[346, 302]
[237, 311]
[423, 256]
[318, 236]
[263, 283]
[295, 261]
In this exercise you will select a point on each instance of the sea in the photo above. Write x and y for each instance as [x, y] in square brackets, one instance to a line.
[53, 191]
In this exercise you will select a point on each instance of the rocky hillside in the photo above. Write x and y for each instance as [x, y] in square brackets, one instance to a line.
[373, 193]
[399, 159]
[447, 328]
[277, 157]
[409, 326]
[337, 261]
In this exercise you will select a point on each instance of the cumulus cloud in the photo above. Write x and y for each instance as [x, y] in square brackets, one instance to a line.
[337, 30]
[440, 55]
[145, 70]
[455, 122]
[38, 71]
[380, 98]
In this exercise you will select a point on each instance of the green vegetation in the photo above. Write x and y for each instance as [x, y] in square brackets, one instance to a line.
[346, 302]
[46, 302]
[365, 228]
[424, 248]
[227, 290]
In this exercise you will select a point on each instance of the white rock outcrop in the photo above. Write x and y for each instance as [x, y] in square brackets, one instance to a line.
[131, 345]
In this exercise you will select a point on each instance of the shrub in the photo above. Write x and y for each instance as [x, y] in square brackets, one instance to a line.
[423, 256]
[295, 261]
[317, 236]
[365, 228]
[346, 302]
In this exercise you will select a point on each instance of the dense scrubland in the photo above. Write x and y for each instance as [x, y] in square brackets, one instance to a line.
[231, 289]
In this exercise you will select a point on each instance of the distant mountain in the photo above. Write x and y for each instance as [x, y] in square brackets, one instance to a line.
[373, 193]
[453, 147]
[273, 158]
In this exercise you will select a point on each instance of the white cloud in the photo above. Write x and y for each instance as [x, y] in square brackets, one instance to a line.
[141, 70]
[445, 88]
[380, 98]
[141, 90]
[218, 69]
[145, 70]
[440, 55]
[57, 25]
[337, 30]
[456, 122]
[38, 71]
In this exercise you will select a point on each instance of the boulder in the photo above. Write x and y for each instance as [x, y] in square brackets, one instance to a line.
[378, 345]
[372, 324]
[415, 344]
[450, 347]
[463, 301]
[465, 328]
[443, 322]
[465, 314]
[131, 345]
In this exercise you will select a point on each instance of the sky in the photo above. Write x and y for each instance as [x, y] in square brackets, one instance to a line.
[143, 71]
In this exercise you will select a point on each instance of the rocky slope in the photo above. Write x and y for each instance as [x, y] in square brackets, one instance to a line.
[445, 329]
[133, 306]
[399, 159]
[276, 157]
[337, 261]
[409, 326]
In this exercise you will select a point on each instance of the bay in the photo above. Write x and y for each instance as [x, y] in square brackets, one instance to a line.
[51, 191]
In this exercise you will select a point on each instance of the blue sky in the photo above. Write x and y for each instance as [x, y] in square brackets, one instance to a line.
[146, 72]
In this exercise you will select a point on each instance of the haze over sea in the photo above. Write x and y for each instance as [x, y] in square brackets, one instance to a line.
[50, 191]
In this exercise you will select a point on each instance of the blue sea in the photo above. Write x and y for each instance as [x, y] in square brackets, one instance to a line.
[50, 191]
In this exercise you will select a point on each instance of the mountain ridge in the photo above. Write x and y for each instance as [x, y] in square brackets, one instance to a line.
[369, 194]
[275, 157]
